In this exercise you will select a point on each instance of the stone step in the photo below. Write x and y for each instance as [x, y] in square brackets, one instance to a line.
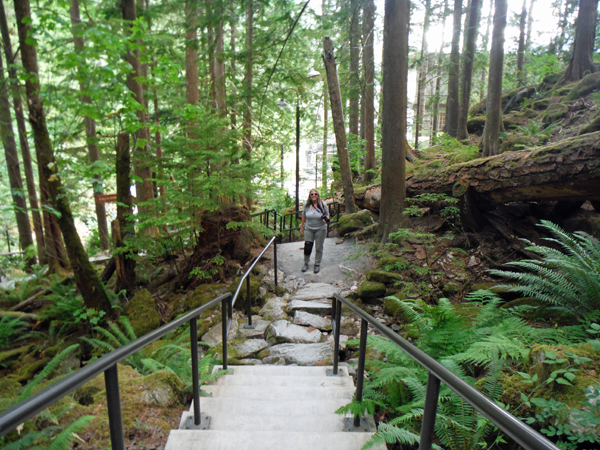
[280, 371]
[228, 405]
[282, 394]
[313, 423]
[265, 440]
[295, 381]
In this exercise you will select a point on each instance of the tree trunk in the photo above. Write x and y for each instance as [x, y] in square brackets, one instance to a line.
[583, 49]
[486, 40]
[86, 278]
[248, 76]
[354, 82]
[369, 97]
[235, 95]
[435, 127]
[423, 68]
[12, 166]
[90, 128]
[124, 227]
[395, 75]
[191, 68]
[529, 26]
[493, 113]
[521, 48]
[338, 124]
[220, 104]
[56, 254]
[452, 100]
[467, 71]
[144, 188]
[25, 153]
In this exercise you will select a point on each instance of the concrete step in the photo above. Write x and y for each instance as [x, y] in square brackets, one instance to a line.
[272, 370]
[295, 381]
[229, 405]
[280, 393]
[314, 423]
[265, 440]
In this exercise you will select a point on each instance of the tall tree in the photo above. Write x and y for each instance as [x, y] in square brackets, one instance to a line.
[467, 69]
[423, 68]
[452, 100]
[338, 124]
[248, 78]
[435, 127]
[13, 166]
[354, 81]
[486, 40]
[369, 96]
[521, 47]
[396, 24]
[583, 48]
[144, 188]
[86, 278]
[90, 125]
[529, 26]
[324, 161]
[493, 113]
[192, 94]
[23, 142]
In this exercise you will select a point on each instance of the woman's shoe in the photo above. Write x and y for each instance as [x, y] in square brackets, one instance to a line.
[317, 268]
[305, 267]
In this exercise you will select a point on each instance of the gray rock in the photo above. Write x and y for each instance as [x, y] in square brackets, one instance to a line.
[274, 309]
[321, 307]
[251, 347]
[312, 320]
[283, 331]
[349, 326]
[215, 334]
[258, 332]
[315, 291]
[251, 362]
[301, 354]
[159, 396]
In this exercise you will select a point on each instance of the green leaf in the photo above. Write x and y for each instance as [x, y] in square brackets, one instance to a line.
[570, 376]
[563, 381]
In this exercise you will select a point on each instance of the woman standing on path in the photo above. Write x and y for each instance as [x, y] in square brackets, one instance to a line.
[315, 217]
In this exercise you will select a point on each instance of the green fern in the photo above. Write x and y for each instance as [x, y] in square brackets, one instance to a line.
[11, 329]
[568, 278]
[63, 440]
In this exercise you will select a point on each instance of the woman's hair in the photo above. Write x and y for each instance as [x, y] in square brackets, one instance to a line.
[309, 201]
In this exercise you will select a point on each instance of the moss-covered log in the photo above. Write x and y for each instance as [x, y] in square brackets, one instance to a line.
[568, 170]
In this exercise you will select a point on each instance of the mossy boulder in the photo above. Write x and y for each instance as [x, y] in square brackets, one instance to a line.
[247, 239]
[353, 222]
[450, 288]
[555, 112]
[381, 276]
[371, 290]
[393, 263]
[367, 233]
[550, 80]
[530, 113]
[199, 297]
[254, 289]
[591, 127]
[9, 388]
[475, 125]
[391, 306]
[586, 86]
[142, 313]
[540, 104]
[516, 143]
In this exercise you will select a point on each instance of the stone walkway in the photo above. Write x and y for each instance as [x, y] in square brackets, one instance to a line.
[296, 328]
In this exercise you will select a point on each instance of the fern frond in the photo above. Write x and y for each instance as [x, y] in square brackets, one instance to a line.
[128, 328]
[63, 440]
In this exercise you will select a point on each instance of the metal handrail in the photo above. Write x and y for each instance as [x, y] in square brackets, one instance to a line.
[246, 277]
[264, 218]
[509, 424]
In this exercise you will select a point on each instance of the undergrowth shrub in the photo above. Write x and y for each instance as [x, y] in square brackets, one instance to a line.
[568, 277]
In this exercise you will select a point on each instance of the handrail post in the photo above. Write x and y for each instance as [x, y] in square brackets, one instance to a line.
[248, 302]
[195, 375]
[429, 412]
[113, 403]
[336, 336]
[224, 304]
[275, 257]
[360, 373]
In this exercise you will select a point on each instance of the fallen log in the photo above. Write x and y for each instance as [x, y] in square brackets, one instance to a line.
[568, 170]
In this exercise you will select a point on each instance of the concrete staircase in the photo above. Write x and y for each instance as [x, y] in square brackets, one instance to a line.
[270, 407]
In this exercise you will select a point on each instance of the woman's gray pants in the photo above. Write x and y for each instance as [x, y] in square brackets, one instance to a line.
[314, 237]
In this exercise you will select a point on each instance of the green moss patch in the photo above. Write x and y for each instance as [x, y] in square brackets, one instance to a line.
[142, 313]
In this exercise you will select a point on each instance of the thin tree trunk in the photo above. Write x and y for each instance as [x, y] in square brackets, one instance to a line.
[585, 32]
[467, 71]
[354, 82]
[420, 112]
[12, 166]
[435, 127]
[396, 24]
[493, 114]
[521, 48]
[453, 74]
[486, 40]
[144, 188]
[25, 153]
[529, 26]
[234, 94]
[338, 124]
[90, 129]
[324, 162]
[192, 95]
[248, 75]
[369, 97]
[220, 104]
[86, 278]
